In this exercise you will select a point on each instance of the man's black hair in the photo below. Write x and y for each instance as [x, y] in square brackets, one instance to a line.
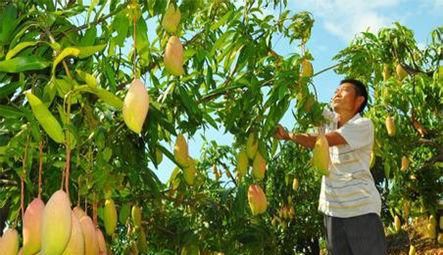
[360, 90]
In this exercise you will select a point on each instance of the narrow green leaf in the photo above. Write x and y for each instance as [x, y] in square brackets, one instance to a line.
[88, 78]
[10, 112]
[19, 47]
[9, 89]
[23, 63]
[45, 118]
[70, 51]
[221, 21]
[87, 51]
[108, 97]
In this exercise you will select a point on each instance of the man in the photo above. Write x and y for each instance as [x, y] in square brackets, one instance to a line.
[349, 199]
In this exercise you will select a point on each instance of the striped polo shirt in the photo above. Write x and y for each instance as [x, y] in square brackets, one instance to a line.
[349, 189]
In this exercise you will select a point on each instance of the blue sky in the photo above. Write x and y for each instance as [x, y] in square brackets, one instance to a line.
[336, 23]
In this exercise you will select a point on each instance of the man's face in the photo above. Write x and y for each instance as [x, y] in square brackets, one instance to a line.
[346, 99]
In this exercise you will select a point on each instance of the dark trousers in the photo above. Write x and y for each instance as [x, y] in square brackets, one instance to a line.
[360, 235]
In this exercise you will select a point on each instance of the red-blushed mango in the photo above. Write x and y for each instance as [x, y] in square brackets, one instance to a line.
[251, 146]
[171, 19]
[89, 235]
[390, 125]
[57, 224]
[259, 167]
[174, 56]
[110, 216]
[307, 70]
[257, 199]
[101, 242]
[32, 226]
[181, 151]
[78, 212]
[136, 106]
[320, 157]
[9, 242]
[76, 244]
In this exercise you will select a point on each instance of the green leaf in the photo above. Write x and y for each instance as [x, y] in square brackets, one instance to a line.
[23, 63]
[121, 26]
[11, 53]
[70, 51]
[88, 78]
[108, 97]
[45, 118]
[8, 23]
[10, 112]
[8, 89]
[87, 51]
[222, 21]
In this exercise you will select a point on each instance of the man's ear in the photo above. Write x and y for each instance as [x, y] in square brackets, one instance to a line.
[360, 100]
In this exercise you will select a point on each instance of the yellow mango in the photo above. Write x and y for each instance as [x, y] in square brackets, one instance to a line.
[404, 163]
[136, 216]
[190, 171]
[78, 212]
[257, 199]
[9, 242]
[32, 227]
[181, 151]
[110, 216]
[174, 56]
[412, 250]
[259, 167]
[242, 163]
[171, 19]
[76, 244]
[390, 125]
[401, 72]
[295, 184]
[397, 223]
[251, 146]
[136, 106]
[320, 158]
[386, 72]
[307, 70]
[57, 224]
[190, 250]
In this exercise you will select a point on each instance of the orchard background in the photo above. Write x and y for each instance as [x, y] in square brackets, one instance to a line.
[78, 58]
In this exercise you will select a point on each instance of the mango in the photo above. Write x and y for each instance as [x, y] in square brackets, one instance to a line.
[101, 242]
[242, 163]
[412, 250]
[174, 56]
[307, 70]
[32, 227]
[78, 212]
[9, 242]
[136, 216]
[404, 163]
[401, 72]
[257, 199]
[251, 146]
[386, 72]
[110, 216]
[397, 223]
[142, 244]
[295, 184]
[90, 236]
[171, 19]
[259, 167]
[136, 106]
[320, 158]
[124, 212]
[390, 125]
[181, 151]
[190, 171]
[158, 156]
[57, 224]
[76, 243]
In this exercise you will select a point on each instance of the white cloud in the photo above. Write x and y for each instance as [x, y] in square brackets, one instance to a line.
[346, 18]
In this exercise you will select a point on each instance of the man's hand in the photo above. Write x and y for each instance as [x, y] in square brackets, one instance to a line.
[281, 133]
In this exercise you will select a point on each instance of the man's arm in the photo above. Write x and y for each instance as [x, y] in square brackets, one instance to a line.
[307, 140]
